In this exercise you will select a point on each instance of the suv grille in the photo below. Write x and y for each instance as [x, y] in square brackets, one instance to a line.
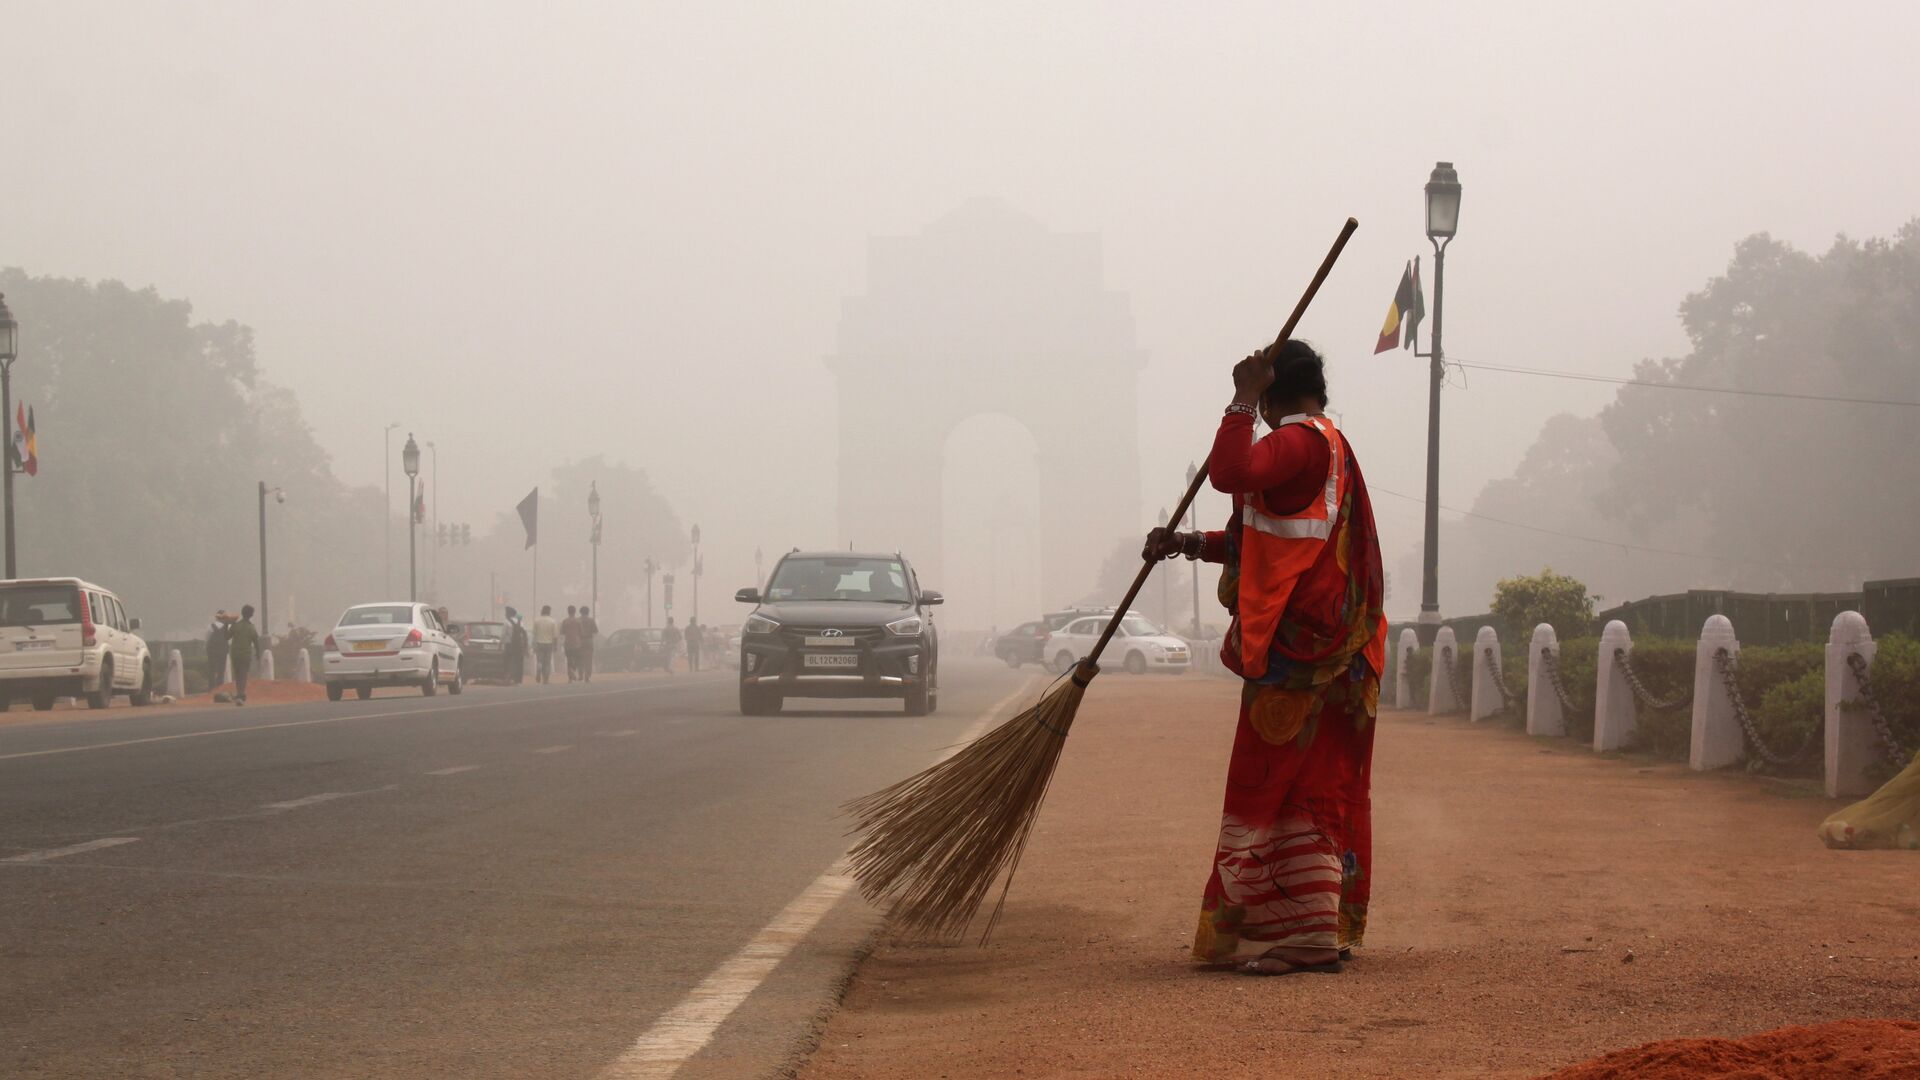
[865, 635]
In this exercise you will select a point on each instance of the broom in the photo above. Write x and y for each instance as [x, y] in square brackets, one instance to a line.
[932, 845]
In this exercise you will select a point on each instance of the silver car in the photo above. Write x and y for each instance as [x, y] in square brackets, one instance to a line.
[391, 644]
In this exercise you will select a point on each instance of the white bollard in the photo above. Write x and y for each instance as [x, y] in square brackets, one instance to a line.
[1402, 684]
[1440, 697]
[1851, 742]
[1544, 715]
[1614, 717]
[176, 675]
[1487, 698]
[226, 677]
[303, 667]
[265, 666]
[1717, 739]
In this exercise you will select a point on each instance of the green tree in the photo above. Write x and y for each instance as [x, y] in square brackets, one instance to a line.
[1556, 599]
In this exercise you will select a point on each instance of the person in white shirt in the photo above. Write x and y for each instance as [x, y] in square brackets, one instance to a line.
[546, 633]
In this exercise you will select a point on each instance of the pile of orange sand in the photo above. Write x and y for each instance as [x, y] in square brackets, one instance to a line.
[1855, 1049]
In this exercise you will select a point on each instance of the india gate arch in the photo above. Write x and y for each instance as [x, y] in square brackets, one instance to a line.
[988, 311]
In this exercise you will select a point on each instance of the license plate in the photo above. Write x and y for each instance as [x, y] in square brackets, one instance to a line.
[29, 646]
[369, 646]
[830, 642]
[832, 660]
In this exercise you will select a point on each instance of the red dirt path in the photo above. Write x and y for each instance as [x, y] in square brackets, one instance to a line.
[1850, 1048]
[1533, 906]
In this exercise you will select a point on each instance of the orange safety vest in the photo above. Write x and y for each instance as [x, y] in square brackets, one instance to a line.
[1276, 549]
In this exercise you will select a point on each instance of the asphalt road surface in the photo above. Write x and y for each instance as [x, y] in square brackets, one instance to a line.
[509, 883]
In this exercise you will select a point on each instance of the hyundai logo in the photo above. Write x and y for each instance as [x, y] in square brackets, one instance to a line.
[831, 633]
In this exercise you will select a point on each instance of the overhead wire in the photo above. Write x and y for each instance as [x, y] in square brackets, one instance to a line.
[1583, 377]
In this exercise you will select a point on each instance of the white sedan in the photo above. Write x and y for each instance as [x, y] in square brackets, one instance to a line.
[1138, 644]
[393, 644]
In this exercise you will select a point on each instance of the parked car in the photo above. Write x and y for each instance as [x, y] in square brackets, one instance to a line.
[64, 637]
[1024, 644]
[483, 648]
[391, 644]
[1139, 644]
[642, 649]
[840, 625]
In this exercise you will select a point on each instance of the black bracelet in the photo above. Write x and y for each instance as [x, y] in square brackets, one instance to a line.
[1243, 409]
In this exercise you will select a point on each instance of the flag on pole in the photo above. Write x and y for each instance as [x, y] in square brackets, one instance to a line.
[529, 509]
[26, 447]
[1402, 304]
[1419, 311]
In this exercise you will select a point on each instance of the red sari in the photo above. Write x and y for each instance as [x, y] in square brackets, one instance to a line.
[1293, 863]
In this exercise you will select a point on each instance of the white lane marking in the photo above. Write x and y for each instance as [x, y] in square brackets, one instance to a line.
[63, 852]
[306, 723]
[450, 770]
[689, 1026]
[554, 749]
[618, 734]
[325, 796]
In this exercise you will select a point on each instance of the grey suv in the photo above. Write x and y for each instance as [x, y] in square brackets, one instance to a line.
[839, 624]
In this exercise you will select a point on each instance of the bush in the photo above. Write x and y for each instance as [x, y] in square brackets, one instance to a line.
[1579, 660]
[1665, 667]
[1419, 671]
[1556, 599]
[1788, 714]
[1895, 678]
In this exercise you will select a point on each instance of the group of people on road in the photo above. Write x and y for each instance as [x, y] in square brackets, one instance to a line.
[574, 636]
[693, 639]
[232, 640]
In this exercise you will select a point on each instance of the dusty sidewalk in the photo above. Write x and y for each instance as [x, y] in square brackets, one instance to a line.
[1533, 906]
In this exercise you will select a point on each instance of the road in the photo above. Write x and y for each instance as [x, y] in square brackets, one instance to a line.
[515, 882]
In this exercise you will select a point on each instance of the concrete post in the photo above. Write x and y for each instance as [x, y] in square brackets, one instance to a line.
[176, 675]
[1614, 717]
[1851, 743]
[1544, 715]
[265, 666]
[1486, 690]
[303, 667]
[1717, 739]
[226, 677]
[1402, 685]
[1440, 697]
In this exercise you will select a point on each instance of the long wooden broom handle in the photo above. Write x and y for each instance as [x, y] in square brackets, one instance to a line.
[1200, 477]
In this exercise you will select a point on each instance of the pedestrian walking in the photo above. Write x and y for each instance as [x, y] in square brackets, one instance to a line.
[516, 648]
[670, 638]
[1302, 579]
[217, 649]
[243, 642]
[589, 630]
[546, 634]
[694, 634]
[570, 641]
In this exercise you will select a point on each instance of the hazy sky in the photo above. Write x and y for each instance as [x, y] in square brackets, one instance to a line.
[536, 232]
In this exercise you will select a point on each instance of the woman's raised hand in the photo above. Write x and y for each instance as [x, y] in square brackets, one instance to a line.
[1251, 377]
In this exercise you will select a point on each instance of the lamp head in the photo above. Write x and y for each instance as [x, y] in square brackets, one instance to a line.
[1443, 201]
[593, 498]
[410, 457]
[9, 333]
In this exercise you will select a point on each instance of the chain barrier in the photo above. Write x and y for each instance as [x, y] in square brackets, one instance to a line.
[1724, 663]
[1453, 679]
[1890, 745]
[1551, 663]
[1644, 696]
[1493, 669]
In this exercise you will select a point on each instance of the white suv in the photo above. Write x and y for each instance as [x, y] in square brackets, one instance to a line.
[63, 637]
[392, 644]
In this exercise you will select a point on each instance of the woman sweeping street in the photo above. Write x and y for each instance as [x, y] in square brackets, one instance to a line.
[1302, 578]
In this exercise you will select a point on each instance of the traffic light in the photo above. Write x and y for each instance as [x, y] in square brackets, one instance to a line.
[666, 581]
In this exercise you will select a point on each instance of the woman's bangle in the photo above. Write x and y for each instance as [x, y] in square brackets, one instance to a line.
[1243, 409]
[1192, 545]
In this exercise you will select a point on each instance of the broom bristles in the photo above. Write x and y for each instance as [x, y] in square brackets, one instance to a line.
[932, 845]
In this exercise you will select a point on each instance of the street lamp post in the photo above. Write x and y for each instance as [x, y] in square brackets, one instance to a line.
[1166, 601]
[433, 568]
[759, 570]
[1193, 525]
[593, 513]
[1443, 220]
[696, 575]
[410, 464]
[279, 495]
[9, 351]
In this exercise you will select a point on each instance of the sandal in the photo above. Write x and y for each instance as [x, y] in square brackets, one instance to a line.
[1259, 967]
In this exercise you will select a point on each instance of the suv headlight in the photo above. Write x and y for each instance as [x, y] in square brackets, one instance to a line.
[759, 624]
[907, 627]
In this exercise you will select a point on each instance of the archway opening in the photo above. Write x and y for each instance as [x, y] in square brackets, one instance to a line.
[990, 524]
